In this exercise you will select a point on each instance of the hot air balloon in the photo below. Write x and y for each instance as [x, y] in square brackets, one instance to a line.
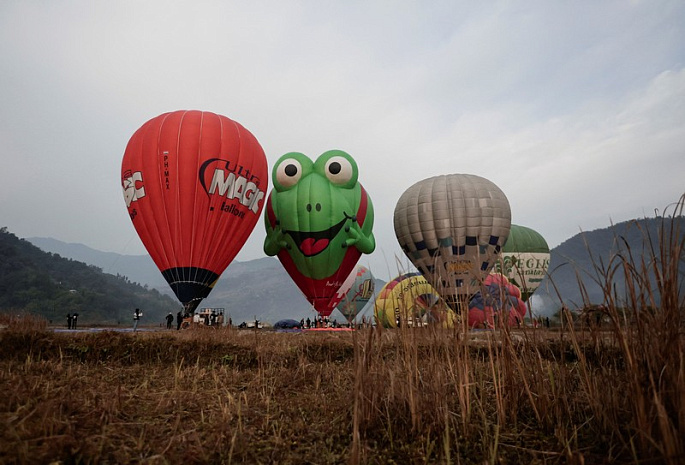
[194, 184]
[355, 292]
[318, 220]
[452, 228]
[498, 302]
[525, 258]
[406, 298]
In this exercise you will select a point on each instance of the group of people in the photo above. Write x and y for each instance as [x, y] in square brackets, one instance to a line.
[207, 317]
[72, 319]
[325, 322]
[319, 322]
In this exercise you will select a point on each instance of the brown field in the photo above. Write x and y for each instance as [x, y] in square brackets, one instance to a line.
[573, 395]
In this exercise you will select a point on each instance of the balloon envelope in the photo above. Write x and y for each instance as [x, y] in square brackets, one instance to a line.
[318, 221]
[355, 292]
[452, 228]
[404, 299]
[525, 259]
[498, 300]
[194, 184]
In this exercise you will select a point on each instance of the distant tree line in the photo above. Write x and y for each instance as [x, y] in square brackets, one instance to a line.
[45, 284]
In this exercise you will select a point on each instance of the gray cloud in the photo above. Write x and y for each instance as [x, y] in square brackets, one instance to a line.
[576, 110]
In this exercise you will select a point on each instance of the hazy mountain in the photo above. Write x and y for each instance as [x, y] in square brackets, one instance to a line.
[593, 258]
[262, 288]
[259, 288]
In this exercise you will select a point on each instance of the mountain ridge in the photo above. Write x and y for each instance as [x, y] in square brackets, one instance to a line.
[262, 289]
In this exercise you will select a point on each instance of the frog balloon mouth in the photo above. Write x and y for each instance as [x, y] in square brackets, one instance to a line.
[314, 242]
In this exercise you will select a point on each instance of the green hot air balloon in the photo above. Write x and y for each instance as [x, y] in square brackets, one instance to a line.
[525, 258]
[319, 221]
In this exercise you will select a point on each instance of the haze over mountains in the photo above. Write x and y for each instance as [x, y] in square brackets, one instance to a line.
[246, 290]
[262, 289]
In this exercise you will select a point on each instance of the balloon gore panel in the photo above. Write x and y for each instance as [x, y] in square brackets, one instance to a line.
[452, 228]
[194, 185]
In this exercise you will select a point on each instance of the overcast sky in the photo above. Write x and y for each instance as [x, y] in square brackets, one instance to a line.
[575, 109]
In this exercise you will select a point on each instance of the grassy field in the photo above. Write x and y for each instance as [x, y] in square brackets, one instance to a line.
[373, 396]
[577, 394]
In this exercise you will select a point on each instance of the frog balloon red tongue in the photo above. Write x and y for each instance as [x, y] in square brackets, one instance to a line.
[312, 246]
[319, 221]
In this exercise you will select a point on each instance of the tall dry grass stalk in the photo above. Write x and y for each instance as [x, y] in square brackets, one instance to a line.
[572, 394]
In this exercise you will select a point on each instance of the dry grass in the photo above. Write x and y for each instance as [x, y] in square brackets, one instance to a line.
[403, 396]
[576, 394]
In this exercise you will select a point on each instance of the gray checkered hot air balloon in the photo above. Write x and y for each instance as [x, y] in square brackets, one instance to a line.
[452, 228]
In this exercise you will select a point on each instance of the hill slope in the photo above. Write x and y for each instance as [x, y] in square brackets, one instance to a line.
[51, 286]
[137, 268]
[589, 259]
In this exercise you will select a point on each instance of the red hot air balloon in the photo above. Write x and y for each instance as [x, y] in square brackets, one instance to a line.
[194, 184]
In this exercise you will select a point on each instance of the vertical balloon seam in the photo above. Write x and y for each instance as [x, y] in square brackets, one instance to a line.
[229, 232]
[194, 259]
[141, 222]
[194, 119]
[155, 127]
[189, 269]
[199, 274]
[174, 232]
[133, 156]
[209, 248]
[431, 259]
[218, 228]
[439, 184]
[185, 268]
[202, 234]
[462, 284]
[176, 270]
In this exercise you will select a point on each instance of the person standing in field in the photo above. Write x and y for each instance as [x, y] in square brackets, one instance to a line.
[179, 320]
[169, 320]
[68, 320]
[136, 318]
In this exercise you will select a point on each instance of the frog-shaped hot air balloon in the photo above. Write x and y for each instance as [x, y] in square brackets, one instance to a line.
[318, 221]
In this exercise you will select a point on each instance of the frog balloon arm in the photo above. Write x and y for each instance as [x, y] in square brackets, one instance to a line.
[365, 244]
[274, 241]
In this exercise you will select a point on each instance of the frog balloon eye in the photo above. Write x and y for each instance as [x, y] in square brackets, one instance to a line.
[339, 170]
[289, 171]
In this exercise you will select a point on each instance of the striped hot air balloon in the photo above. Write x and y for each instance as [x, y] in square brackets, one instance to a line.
[452, 228]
